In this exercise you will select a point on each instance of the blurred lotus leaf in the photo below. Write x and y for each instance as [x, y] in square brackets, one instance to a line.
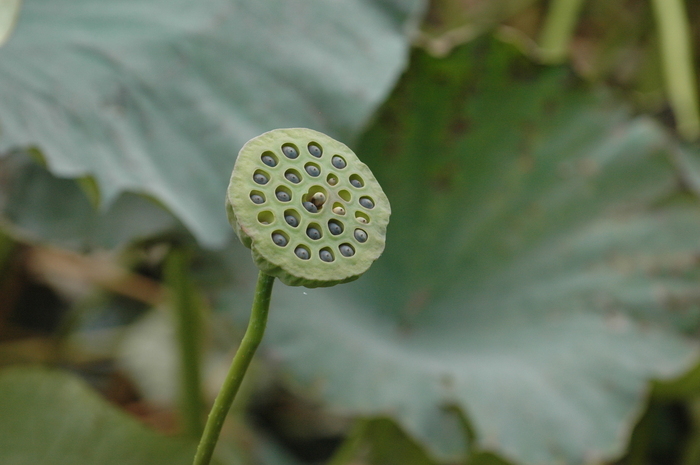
[50, 416]
[156, 97]
[540, 266]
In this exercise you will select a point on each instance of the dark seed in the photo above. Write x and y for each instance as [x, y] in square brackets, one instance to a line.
[301, 253]
[356, 182]
[268, 160]
[292, 221]
[280, 240]
[257, 198]
[282, 196]
[312, 170]
[313, 233]
[335, 228]
[315, 150]
[338, 162]
[310, 207]
[291, 177]
[360, 235]
[366, 202]
[326, 256]
[346, 250]
[290, 152]
[260, 178]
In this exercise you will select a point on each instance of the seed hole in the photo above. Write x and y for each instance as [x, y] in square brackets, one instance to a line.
[318, 199]
[315, 150]
[261, 177]
[283, 194]
[292, 176]
[362, 217]
[280, 238]
[326, 255]
[316, 195]
[270, 159]
[332, 179]
[292, 218]
[313, 169]
[257, 197]
[345, 195]
[266, 217]
[356, 181]
[367, 202]
[314, 231]
[338, 209]
[335, 227]
[338, 162]
[290, 151]
[360, 235]
[302, 252]
[346, 250]
[310, 207]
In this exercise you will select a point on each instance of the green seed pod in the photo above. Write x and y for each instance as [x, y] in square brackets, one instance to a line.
[305, 233]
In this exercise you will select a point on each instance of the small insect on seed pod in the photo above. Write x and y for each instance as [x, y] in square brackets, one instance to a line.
[310, 211]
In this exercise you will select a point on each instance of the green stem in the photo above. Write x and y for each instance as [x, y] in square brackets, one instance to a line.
[558, 29]
[677, 58]
[349, 448]
[245, 352]
[189, 325]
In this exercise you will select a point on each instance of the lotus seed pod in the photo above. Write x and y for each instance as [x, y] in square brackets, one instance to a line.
[313, 233]
[310, 207]
[313, 170]
[360, 235]
[366, 202]
[315, 150]
[292, 177]
[335, 227]
[291, 221]
[298, 199]
[269, 160]
[338, 162]
[318, 198]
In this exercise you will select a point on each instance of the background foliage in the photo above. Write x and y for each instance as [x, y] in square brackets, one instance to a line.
[538, 298]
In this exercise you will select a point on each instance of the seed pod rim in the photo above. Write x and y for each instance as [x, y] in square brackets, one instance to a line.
[293, 271]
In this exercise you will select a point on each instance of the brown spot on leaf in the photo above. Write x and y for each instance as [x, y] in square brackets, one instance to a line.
[447, 380]
[550, 107]
[526, 162]
[416, 303]
[522, 69]
[460, 126]
[443, 179]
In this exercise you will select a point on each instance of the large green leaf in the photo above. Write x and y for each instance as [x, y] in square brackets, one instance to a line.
[49, 416]
[9, 10]
[540, 266]
[44, 208]
[158, 96]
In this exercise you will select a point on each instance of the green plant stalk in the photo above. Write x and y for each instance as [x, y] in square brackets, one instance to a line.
[558, 29]
[244, 354]
[677, 59]
[349, 448]
[691, 454]
[189, 325]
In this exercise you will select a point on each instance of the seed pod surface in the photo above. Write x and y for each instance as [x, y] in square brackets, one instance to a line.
[320, 266]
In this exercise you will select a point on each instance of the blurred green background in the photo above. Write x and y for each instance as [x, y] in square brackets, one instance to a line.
[538, 301]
